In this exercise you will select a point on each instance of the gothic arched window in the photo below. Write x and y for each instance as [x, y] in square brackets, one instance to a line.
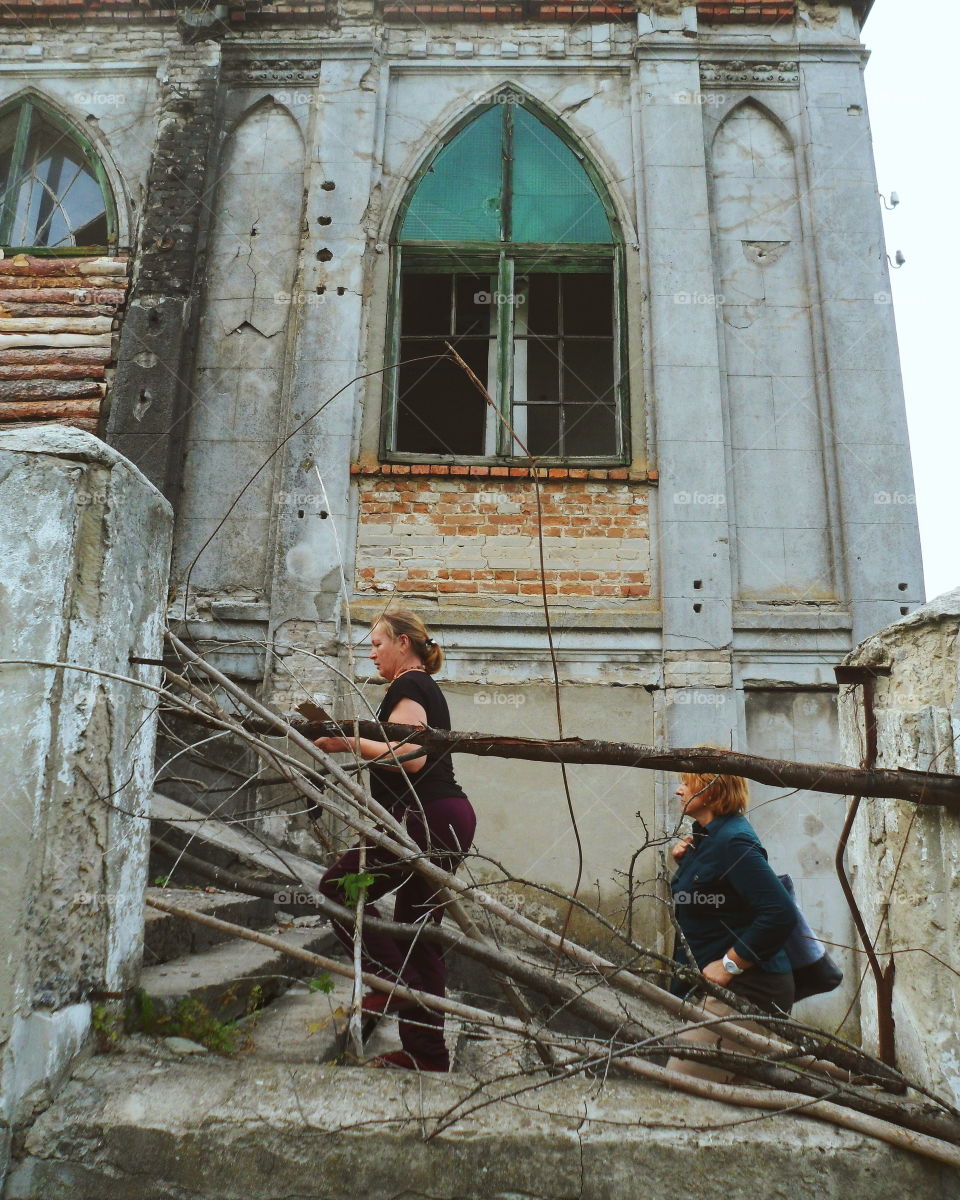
[505, 249]
[53, 189]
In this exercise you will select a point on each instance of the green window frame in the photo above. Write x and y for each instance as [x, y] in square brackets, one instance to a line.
[508, 248]
[53, 187]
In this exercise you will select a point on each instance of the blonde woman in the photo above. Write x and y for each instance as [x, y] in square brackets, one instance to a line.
[424, 793]
[733, 911]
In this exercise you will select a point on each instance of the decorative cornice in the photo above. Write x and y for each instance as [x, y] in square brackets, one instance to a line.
[739, 71]
[265, 69]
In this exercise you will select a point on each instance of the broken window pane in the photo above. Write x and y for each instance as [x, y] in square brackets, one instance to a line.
[588, 304]
[425, 305]
[590, 430]
[51, 196]
[587, 370]
[543, 430]
[543, 304]
[543, 372]
[439, 410]
[474, 301]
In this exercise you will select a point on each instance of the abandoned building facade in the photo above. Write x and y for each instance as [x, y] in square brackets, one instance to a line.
[650, 229]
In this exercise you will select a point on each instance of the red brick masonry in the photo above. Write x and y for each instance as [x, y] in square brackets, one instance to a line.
[746, 11]
[241, 11]
[470, 536]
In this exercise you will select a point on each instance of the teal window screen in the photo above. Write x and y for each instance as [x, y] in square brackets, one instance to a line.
[53, 190]
[506, 177]
[553, 198]
[459, 196]
[506, 252]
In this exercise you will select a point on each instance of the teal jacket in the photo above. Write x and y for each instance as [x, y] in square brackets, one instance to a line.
[726, 895]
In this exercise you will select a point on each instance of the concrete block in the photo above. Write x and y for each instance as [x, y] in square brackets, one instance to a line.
[94, 565]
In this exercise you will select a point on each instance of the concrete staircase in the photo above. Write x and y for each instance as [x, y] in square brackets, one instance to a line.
[144, 1125]
[227, 976]
[293, 1116]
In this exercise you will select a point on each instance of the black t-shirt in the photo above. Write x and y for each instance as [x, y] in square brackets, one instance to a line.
[435, 780]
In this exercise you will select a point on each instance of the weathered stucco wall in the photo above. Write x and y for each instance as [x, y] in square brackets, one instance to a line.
[905, 858]
[85, 545]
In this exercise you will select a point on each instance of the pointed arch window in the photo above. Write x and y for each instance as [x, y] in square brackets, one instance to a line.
[506, 249]
[53, 189]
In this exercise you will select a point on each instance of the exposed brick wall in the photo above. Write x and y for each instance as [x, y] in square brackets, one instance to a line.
[239, 11]
[470, 537]
[58, 318]
[746, 11]
[151, 396]
[508, 10]
[79, 10]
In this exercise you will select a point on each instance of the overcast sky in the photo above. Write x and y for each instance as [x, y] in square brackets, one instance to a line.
[912, 81]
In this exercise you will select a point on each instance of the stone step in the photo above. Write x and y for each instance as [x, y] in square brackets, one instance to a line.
[167, 936]
[304, 1026]
[228, 845]
[223, 977]
[129, 1126]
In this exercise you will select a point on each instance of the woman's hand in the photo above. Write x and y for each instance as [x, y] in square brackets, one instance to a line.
[334, 745]
[716, 974]
[681, 847]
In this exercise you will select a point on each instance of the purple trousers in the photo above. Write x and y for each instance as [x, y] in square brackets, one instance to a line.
[419, 963]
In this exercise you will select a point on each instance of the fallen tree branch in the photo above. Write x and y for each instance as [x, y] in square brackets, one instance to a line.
[922, 1143]
[920, 787]
[390, 835]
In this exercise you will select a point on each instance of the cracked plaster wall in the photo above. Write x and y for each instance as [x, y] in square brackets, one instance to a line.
[904, 859]
[84, 582]
[241, 351]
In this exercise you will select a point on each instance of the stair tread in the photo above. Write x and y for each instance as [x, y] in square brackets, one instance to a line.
[168, 936]
[234, 959]
[232, 838]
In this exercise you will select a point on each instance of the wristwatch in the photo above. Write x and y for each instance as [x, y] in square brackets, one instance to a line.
[730, 966]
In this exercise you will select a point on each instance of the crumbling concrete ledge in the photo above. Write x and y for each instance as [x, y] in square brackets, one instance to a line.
[132, 1128]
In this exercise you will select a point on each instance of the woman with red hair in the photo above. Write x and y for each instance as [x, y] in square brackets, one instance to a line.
[733, 912]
